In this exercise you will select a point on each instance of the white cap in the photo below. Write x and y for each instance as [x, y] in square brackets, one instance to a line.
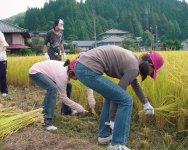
[61, 24]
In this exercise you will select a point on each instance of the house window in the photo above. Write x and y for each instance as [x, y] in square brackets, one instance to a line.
[8, 38]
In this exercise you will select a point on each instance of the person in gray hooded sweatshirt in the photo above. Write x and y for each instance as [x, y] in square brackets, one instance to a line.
[117, 62]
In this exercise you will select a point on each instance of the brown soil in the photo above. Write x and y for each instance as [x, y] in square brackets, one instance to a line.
[74, 132]
[35, 138]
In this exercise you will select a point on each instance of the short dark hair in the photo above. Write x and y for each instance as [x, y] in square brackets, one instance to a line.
[56, 22]
[144, 66]
[146, 57]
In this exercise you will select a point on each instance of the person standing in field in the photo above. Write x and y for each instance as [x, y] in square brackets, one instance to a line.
[53, 76]
[53, 43]
[53, 49]
[3, 65]
[117, 62]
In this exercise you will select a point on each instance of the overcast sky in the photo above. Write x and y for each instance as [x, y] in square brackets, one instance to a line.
[10, 8]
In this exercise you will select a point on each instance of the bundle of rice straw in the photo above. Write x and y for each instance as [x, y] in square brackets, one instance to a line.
[11, 119]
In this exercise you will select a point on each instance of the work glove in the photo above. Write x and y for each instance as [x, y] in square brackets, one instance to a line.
[46, 56]
[74, 112]
[64, 55]
[110, 124]
[149, 110]
[91, 98]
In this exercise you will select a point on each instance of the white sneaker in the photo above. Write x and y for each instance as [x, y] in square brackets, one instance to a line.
[4, 94]
[51, 128]
[117, 147]
[104, 140]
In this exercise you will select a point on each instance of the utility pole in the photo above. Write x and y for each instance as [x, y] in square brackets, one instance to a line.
[156, 37]
[147, 12]
[152, 40]
[94, 26]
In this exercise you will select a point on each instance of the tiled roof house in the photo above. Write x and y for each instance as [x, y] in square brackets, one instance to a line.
[115, 32]
[111, 40]
[84, 45]
[14, 35]
[113, 37]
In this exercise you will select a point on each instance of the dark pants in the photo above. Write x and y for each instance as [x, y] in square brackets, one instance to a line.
[3, 79]
[65, 110]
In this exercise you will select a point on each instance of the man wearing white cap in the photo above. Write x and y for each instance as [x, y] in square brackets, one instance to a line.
[3, 65]
[53, 48]
[53, 44]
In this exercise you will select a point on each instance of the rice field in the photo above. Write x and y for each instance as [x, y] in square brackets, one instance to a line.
[168, 94]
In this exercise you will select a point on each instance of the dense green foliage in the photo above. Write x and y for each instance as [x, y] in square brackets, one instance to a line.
[25, 52]
[165, 17]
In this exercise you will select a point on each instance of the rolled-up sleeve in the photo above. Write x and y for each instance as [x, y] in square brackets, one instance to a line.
[91, 98]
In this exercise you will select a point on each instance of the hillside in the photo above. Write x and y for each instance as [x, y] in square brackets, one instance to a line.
[167, 17]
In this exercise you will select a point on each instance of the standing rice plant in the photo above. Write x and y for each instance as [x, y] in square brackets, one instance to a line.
[167, 138]
[168, 94]
[142, 118]
[182, 114]
[144, 145]
[146, 132]
[80, 95]
[18, 67]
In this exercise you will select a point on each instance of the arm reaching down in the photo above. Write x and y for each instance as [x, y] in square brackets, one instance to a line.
[62, 84]
[91, 99]
[149, 110]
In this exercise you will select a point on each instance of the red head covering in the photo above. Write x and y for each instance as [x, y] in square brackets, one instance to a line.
[157, 61]
[72, 65]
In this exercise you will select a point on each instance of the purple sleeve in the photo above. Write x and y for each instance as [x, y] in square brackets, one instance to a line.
[139, 92]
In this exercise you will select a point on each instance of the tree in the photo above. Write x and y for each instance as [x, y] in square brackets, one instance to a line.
[147, 39]
[185, 30]
[171, 44]
[129, 44]
[122, 14]
[37, 45]
[177, 30]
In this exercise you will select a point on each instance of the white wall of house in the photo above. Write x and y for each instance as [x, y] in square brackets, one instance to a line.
[17, 39]
[185, 44]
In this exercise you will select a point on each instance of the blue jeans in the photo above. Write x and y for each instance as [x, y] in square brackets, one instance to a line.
[50, 98]
[110, 91]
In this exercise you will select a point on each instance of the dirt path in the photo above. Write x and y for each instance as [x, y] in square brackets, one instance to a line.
[35, 138]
